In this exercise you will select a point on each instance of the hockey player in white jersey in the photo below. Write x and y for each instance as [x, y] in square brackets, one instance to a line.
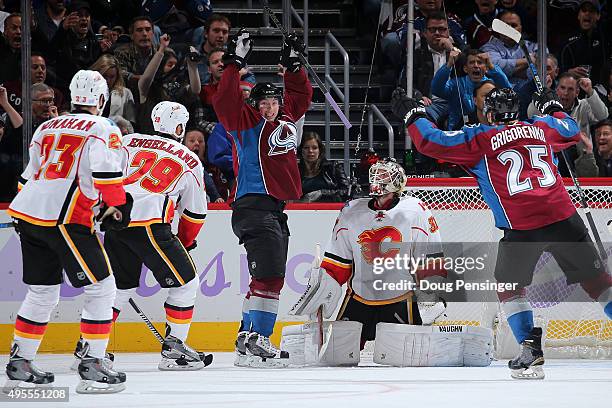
[165, 179]
[381, 247]
[74, 159]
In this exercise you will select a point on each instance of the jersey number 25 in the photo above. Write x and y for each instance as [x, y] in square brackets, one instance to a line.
[536, 153]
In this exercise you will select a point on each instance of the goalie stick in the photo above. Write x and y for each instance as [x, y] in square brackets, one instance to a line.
[206, 358]
[312, 72]
[506, 30]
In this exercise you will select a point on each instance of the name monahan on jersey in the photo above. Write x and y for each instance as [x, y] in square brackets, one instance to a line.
[363, 236]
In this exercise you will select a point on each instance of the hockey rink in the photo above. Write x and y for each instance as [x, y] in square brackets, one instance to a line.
[575, 383]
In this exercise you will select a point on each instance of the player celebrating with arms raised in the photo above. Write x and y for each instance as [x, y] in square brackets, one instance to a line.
[264, 142]
[518, 178]
[73, 159]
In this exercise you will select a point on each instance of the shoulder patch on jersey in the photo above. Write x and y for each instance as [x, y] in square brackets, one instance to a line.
[433, 225]
[114, 141]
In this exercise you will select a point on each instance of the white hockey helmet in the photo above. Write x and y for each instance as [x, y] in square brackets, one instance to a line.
[386, 176]
[86, 89]
[170, 118]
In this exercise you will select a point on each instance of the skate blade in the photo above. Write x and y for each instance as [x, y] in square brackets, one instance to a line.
[93, 387]
[171, 365]
[530, 373]
[262, 362]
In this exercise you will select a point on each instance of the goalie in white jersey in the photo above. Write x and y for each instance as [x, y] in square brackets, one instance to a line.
[165, 179]
[381, 247]
[74, 159]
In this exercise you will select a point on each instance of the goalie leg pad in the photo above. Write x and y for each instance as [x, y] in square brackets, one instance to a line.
[404, 345]
[340, 346]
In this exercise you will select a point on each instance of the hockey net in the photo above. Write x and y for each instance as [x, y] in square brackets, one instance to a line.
[572, 329]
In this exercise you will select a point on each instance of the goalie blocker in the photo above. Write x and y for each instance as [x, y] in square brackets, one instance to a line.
[398, 345]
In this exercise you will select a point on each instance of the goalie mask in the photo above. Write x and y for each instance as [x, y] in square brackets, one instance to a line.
[387, 176]
[170, 118]
[86, 89]
[503, 104]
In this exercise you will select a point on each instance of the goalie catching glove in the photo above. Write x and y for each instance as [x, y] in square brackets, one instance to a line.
[406, 108]
[115, 218]
[322, 290]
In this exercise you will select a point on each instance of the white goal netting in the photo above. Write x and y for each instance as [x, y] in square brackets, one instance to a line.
[573, 329]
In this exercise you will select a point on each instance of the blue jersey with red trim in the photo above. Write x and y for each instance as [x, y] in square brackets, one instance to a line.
[514, 165]
[264, 152]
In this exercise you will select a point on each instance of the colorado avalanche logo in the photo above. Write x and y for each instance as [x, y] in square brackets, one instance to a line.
[283, 139]
[370, 241]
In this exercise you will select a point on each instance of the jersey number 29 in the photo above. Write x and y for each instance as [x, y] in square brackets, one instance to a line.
[516, 161]
[157, 175]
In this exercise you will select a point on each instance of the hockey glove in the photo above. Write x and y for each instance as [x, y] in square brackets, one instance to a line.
[322, 290]
[547, 102]
[289, 53]
[406, 108]
[107, 215]
[239, 49]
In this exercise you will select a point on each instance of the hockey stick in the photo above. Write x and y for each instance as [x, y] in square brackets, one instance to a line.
[144, 317]
[6, 225]
[504, 29]
[317, 264]
[306, 64]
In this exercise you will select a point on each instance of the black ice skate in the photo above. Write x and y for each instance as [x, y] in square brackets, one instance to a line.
[263, 354]
[178, 356]
[241, 351]
[528, 364]
[80, 351]
[98, 378]
[19, 370]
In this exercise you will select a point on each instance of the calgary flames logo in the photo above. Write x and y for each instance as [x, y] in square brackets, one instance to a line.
[371, 241]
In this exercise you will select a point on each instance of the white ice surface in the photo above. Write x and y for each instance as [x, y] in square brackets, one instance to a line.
[575, 384]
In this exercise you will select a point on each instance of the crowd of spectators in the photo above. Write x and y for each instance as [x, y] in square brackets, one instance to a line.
[149, 51]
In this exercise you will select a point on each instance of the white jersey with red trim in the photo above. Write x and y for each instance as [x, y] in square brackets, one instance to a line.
[364, 238]
[73, 159]
[163, 176]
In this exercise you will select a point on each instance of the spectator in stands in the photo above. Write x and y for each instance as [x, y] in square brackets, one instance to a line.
[529, 25]
[480, 92]
[603, 137]
[589, 48]
[178, 18]
[74, 46]
[194, 140]
[163, 80]
[552, 71]
[478, 26]
[321, 180]
[121, 99]
[474, 67]
[124, 125]
[605, 90]
[39, 75]
[49, 16]
[10, 55]
[215, 70]
[584, 111]
[11, 146]
[135, 56]
[216, 33]
[430, 55]
[509, 56]
[425, 9]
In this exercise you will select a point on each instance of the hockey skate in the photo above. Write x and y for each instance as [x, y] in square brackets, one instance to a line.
[178, 356]
[19, 370]
[263, 354]
[241, 351]
[79, 352]
[528, 364]
[98, 378]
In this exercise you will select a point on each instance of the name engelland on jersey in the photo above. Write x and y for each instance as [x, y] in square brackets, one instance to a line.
[448, 287]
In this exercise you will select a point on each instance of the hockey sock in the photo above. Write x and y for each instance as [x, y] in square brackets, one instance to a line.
[518, 313]
[263, 304]
[33, 316]
[121, 300]
[179, 308]
[97, 316]
[245, 324]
